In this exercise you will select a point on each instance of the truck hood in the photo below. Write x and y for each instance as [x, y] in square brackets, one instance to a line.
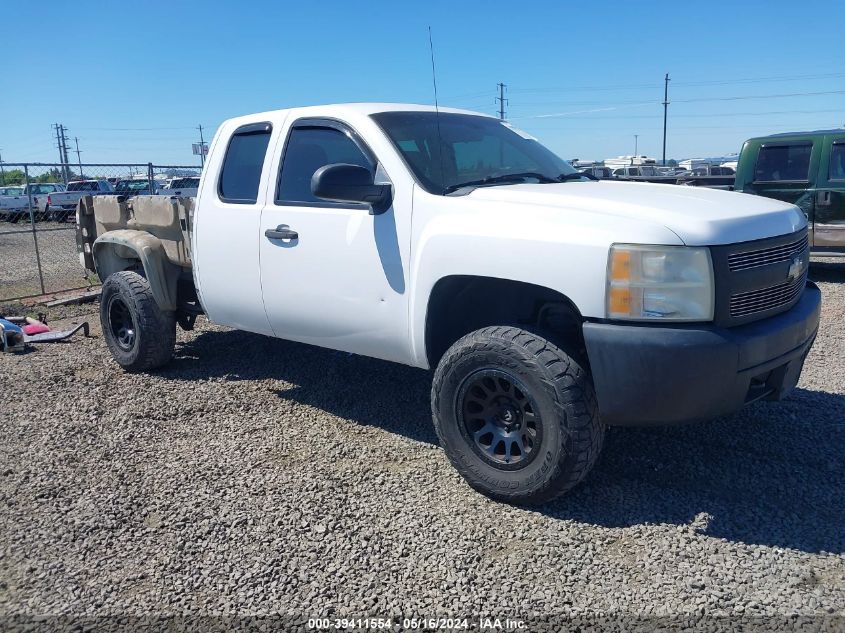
[698, 216]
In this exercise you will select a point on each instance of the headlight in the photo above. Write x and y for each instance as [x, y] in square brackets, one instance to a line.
[665, 283]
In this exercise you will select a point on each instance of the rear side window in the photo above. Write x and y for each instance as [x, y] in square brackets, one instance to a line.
[837, 161]
[783, 162]
[308, 149]
[243, 162]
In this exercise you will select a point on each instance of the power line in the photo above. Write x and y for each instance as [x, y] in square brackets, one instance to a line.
[136, 129]
[621, 105]
[748, 80]
[778, 96]
[526, 104]
[716, 82]
[598, 114]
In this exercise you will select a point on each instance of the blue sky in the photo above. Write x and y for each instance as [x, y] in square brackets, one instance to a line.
[133, 85]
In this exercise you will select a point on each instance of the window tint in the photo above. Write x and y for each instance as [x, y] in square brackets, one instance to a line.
[308, 149]
[837, 161]
[242, 165]
[783, 162]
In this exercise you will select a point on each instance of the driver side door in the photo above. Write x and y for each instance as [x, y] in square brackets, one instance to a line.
[338, 279]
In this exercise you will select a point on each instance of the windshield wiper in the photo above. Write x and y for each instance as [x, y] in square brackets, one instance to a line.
[575, 176]
[500, 179]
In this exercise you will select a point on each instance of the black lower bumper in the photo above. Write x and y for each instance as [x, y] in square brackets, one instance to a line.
[662, 375]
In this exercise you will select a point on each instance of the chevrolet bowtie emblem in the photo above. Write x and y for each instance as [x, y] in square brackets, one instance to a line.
[796, 269]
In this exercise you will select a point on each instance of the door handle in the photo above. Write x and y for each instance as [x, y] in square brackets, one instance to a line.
[281, 232]
[823, 199]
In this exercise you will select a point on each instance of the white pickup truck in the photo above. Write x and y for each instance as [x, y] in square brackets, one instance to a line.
[62, 204]
[15, 207]
[548, 305]
[185, 186]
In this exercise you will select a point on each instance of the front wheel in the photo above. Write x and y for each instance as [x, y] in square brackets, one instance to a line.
[516, 415]
[140, 335]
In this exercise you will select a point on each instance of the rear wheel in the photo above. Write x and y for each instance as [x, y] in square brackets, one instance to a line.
[139, 335]
[516, 415]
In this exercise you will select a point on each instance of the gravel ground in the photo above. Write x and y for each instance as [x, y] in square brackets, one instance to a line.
[256, 476]
[19, 265]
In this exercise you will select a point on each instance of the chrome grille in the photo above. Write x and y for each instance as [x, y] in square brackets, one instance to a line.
[762, 299]
[766, 256]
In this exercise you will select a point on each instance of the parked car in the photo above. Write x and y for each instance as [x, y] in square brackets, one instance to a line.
[185, 186]
[14, 190]
[62, 204]
[548, 305]
[599, 172]
[636, 171]
[712, 176]
[136, 186]
[806, 169]
[13, 208]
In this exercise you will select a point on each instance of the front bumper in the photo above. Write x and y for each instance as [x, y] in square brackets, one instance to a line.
[647, 374]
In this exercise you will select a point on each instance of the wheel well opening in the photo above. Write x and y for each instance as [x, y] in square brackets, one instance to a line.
[461, 304]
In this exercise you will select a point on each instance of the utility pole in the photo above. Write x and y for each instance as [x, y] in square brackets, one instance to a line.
[636, 136]
[64, 154]
[665, 112]
[502, 101]
[61, 142]
[202, 148]
[2, 173]
[78, 156]
[58, 140]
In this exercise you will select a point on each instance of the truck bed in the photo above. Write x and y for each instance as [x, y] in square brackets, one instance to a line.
[166, 218]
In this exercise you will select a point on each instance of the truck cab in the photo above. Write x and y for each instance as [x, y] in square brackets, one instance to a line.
[806, 169]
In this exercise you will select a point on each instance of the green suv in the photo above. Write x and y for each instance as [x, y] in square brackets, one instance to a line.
[806, 169]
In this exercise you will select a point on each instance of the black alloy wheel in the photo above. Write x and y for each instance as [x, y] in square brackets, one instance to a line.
[121, 324]
[499, 418]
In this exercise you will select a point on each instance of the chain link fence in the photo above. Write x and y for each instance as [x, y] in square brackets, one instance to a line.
[37, 214]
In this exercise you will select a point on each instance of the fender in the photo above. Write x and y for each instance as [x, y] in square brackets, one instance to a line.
[122, 249]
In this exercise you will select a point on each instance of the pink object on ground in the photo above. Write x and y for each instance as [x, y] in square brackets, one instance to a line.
[35, 328]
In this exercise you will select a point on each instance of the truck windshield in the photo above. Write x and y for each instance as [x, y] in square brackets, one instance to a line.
[449, 150]
[82, 186]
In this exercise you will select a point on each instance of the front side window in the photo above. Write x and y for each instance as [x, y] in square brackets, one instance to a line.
[449, 150]
[308, 149]
[243, 162]
[837, 161]
[783, 162]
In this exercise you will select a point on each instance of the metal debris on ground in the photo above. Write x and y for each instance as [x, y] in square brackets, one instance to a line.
[17, 332]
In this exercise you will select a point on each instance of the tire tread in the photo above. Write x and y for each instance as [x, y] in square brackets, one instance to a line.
[571, 390]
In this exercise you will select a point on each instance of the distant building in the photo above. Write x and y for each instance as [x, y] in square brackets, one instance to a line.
[628, 161]
[695, 163]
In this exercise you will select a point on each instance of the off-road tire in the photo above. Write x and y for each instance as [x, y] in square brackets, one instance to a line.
[154, 329]
[572, 432]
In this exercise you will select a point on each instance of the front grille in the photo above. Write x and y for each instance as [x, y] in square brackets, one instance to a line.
[765, 256]
[754, 280]
[745, 304]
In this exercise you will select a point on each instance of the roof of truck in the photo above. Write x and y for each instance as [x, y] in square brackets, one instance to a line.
[806, 133]
[373, 108]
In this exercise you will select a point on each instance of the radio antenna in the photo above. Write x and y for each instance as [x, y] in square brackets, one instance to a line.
[436, 111]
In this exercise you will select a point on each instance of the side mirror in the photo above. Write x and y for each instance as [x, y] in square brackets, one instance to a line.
[341, 182]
